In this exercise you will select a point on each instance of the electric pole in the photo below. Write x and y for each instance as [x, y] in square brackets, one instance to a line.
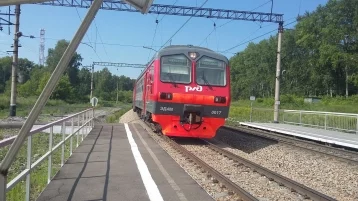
[42, 48]
[92, 69]
[278, 75]
[117, 92]
[92, 82]
[15, 62]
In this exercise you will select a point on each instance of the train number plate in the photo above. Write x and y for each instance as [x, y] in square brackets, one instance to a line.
[166, 109]
[216, 112]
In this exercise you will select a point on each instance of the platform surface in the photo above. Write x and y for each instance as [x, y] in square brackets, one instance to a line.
[328, 136]
[122, 162]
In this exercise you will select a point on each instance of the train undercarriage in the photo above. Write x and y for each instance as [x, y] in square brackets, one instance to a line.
[190, 118]
[156, 128]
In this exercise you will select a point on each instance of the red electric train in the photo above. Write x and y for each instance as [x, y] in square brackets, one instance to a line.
[184, 91]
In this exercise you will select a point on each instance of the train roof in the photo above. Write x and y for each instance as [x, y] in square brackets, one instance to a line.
[179, 49]
[175, 49]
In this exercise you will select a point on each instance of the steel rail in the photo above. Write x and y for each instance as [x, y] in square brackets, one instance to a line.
[221, 178]
[300, 188]
[345, 155]
[281, 180]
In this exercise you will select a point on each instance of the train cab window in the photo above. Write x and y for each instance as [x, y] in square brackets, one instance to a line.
[175, 68]
[210, 71]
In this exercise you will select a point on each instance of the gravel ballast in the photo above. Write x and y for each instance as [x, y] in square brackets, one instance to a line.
[215, 190]
[259, 186]
[128, 117]
[329, 176]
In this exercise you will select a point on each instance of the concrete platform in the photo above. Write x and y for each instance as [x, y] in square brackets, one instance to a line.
[327, 136]
[122, 162]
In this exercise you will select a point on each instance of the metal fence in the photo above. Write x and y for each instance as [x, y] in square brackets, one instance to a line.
[246, 114]
[77, 125]
[344, 122]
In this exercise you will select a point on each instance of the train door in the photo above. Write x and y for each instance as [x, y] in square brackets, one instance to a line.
[145, 94]
[134, 97]
[149, 91]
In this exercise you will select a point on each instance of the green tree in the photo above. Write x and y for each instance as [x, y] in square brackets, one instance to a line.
[84, 86]
[63, 90]
[5, 72]
[23, 72]
[317, 55]
[54, 56]
[25, 67]
[329, 35]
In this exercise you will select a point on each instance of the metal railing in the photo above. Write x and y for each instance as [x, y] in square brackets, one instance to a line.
[247, 114]
[345, 122]
[85, 123]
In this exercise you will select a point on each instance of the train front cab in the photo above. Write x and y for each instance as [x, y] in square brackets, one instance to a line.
[193, 95]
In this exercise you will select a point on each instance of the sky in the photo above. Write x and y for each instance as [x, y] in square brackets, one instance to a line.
[118, 36]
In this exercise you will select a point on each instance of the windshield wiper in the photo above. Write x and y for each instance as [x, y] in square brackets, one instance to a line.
[206, 81]
[171, 79]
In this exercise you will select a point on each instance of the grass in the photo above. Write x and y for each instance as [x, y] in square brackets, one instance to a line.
[291, 102]
[262, 111]
[114, 118]
[24, 106]
[40, 144]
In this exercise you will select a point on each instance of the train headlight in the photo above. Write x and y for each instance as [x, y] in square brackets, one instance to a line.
[219, 99]
[193, 55]
[166, 96]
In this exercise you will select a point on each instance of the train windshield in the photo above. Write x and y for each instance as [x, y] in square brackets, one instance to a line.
[210, 71]
[175, 68]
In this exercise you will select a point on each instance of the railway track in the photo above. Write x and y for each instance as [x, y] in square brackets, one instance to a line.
[295, 187]
[307, 192]
[218, 177]
[340, 154]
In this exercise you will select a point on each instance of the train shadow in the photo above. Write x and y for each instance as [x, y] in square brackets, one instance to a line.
[187, 141]
[241, 141]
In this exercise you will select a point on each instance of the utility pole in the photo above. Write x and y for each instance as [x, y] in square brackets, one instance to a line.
[15, 62]
[278, 73]
[117, 92]
[42, 47]
[346, 69]
[92, 69]
[92, 82]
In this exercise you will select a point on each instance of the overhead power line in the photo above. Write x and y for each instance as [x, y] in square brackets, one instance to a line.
[243, 43]
[119, 65]
[182, 26]
[102, 43]
[89, 45]
[101, 39]
[164, 14]
[155, 32]
[215, 28]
